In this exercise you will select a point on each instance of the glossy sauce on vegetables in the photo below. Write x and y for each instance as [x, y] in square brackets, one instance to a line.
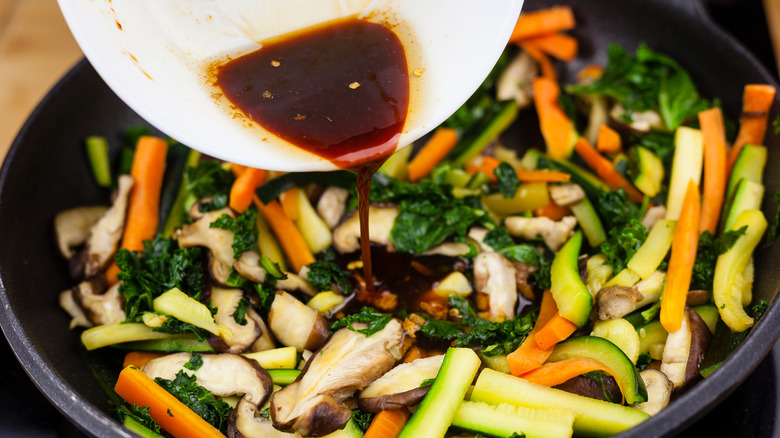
[340, 90]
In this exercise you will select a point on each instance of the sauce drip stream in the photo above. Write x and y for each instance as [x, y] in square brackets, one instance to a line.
[339, 90]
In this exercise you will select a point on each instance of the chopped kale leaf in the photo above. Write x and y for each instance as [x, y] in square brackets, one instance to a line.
[137, 413]
[176, 326]
[244, 228]
[239, 315]
[376, 321]
[498, 239]
[362, 419]
[707, 255]
[209, 179]
[507, 179]
[325, 275]
[493, 338]
[161, 266]
[439, 329]
[195, 362]
[623, 243]
[197, 398]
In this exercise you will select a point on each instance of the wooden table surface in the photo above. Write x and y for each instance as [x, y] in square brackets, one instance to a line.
[36, 49]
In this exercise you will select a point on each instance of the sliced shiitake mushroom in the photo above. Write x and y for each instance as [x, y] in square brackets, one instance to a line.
[332, 204]
[217, 240]
[105, 235]
[71, 227]
[400, 386]
[242, 335]
[616, 301]
[89, 303]
[348, 362]
[296, 324]
[346, 237]
[684, 351]
[495, 276]
[659, 391]
[591, 388]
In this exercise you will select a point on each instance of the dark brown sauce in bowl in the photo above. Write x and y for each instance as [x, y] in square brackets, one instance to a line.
[340, 90]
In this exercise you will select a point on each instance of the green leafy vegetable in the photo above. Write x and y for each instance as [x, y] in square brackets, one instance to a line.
[707, 255]
[376, 321]
[643, 361]
[759, 309]
[660, 143]
[137, 413]
[195, 362]
[210, 179]
[493, 338]
[175, 327]
[498, 239]
[197, 398]
[616, 210]
[427, 382]
[439, 329]
[161, 266]
[543, 275]
[324, 275]
[429, 213]
[623, 243]
[647, 81]
[244, 228]
[507, 179]
[362, 419]
[239, 315]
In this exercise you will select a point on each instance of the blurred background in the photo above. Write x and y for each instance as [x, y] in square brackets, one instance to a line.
[36, 49]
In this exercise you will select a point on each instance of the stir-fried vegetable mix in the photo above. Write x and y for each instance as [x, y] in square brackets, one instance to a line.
[587, 278]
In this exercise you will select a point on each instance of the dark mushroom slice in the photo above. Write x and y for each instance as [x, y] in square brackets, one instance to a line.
[641, 122]
[217, 240]
[400, 386]
[346, 236]
[616, 301]
[659, 391]
[516, 79]
[243, 335]
[332, 205]
[592, 388]
[223, 374]
[495, 276]
[697, 297]
[71, 227]
[104, 237]
[348, 362]
[98, 306]
[684, 351]
[244, 423]
[296, 324]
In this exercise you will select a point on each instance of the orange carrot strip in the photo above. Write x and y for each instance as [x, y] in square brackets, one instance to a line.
[590, 73]
[757, 99]
[557, 45]
[293, 245]
[433, 151]
[553, 211]
[556, 330]
[542, 22]
[143, 209]
[542, 175]
[684, 245]
[289, 203]
[528, 355]
[487, 166]
[557, 129]
[548, 70]
[238, 169]
[388, 424]
[412, 354]
[244, 188]
[605, 169]
[715, 150]
[172, 415]
[608, 140]
[139, 358]
[555, 373]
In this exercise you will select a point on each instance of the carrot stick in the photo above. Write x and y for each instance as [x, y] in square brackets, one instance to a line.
[433, 151]
[590, 73]
[487, 166]
[757, 99]
[542, 22]
[388, 424]
[553, 211]
[608, 140]
[293, 244]
[714, 189]
[143, 209]
[244, 188]
[139, 358]
[528, 355]
[238, 169]
[548, 70]
[557, 130]
[555, 373]
[556, 330]
[557, 45]
[172, 415]
[684, 245]
[606, 170]
[289, 203]
[543, 175]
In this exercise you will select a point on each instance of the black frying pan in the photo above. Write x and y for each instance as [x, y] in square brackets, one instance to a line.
[46, 171]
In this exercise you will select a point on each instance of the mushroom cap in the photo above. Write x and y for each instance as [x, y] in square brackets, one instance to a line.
[400, 386]
[296, 324]
[243, 335]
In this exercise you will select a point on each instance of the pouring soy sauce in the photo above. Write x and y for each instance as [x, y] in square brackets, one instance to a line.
[339, 90]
